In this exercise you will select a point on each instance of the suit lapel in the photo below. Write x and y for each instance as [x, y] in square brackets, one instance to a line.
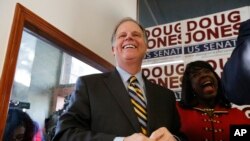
[120, 93]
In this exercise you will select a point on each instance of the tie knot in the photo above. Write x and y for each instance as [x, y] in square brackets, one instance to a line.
[132, 79]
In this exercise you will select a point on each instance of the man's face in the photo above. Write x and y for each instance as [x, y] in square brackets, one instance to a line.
[129, 45]
[204, 83]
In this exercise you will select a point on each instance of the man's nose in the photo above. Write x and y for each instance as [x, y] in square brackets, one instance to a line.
[129, 36]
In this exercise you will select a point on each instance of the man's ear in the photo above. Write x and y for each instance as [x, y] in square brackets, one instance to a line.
[113, 50]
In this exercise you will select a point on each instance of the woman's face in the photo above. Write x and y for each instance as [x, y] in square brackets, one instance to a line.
[204, 84]
[18, 134]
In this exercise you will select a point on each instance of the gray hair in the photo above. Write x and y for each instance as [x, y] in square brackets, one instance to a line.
[125, 20]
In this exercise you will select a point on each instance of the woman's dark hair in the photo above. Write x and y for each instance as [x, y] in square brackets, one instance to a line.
[17, 118]
[188, 98]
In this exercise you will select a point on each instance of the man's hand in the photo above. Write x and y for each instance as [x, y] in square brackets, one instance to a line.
[162, 134]
[137, 137]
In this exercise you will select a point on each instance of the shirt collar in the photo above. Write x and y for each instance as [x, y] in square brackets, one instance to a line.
[125, 76]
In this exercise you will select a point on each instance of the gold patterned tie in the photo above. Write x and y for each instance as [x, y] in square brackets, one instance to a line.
[138, 101]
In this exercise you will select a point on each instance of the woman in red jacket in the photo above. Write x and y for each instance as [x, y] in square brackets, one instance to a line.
[205, 113]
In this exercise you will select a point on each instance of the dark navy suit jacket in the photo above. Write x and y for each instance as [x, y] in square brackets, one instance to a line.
[236, 72]
[100, 109]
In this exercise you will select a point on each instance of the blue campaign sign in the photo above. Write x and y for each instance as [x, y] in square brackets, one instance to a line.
[210, 46]
[163, 53]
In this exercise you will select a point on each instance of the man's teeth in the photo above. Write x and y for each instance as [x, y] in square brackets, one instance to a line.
[129, 46]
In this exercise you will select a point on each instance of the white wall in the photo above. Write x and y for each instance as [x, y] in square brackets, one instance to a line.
[90, 22]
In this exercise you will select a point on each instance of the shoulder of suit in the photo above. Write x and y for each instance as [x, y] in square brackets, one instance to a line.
[96, 75]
